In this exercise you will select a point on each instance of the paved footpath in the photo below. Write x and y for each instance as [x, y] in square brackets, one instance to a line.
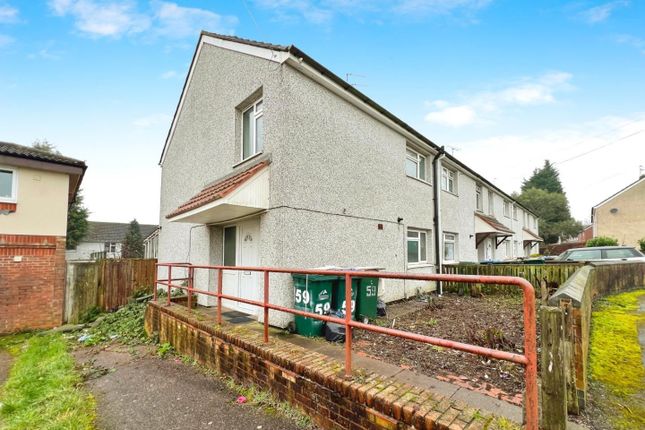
[134, 389]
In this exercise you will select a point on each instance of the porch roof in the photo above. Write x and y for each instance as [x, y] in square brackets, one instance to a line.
[529, 236]
[485, 224]
[240, 194]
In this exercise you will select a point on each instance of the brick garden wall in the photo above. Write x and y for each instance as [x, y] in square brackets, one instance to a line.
[32, 282]
[312, 382]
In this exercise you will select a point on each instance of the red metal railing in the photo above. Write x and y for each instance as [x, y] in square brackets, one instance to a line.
[528, 359]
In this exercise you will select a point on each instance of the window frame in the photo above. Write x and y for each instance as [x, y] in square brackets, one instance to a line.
[491, 203]
[254, 117]
[13, 198]
[479, 200]
[507, 208]
[508, 248]
[110, 247]
[418, 239]
[417, 161]
[452, 241]
[515, 213]
[450, 177]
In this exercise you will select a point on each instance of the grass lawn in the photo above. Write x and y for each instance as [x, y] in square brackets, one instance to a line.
[615, 360]
[43, 390]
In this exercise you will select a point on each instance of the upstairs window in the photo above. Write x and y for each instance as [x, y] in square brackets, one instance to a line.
[7, 185]
[515, 213]
[415, 165]
[507, 208]
[478, 198]
[417, 244]
[253, 130]
[448, 182]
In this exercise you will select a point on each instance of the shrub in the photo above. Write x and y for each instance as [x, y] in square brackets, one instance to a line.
[602, 241]
[641, 244]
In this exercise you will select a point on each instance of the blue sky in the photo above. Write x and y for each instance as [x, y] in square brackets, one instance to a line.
[503, 84]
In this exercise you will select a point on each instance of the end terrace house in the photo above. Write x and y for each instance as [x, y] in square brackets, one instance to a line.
[36, 189]
[273, 160]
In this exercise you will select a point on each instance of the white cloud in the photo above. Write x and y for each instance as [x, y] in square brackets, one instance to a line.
[116, 18]
[633, 41]
[439, 6]
[45, 54]
[479, 107]
[323, 11]
[603, 156]
[8, 14]
[97, 19]
[177, 22]
[601, 12]
[152, 120]
[5, 40]
[170, 74]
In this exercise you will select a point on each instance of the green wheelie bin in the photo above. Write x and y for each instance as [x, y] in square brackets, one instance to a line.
[367, 298]
[312, 294]
[338, 296]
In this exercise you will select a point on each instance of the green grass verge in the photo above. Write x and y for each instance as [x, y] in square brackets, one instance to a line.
[615, 358]
[43, 389]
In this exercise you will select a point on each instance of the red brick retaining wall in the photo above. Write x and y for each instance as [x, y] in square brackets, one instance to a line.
[32, 282]
[311, 381]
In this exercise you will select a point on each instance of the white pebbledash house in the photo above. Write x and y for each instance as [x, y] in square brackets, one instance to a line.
[273, 160]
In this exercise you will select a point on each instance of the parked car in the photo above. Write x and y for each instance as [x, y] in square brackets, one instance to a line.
[602, 253]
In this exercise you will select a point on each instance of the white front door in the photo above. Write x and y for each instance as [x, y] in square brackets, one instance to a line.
[489, 249]
[241, 248]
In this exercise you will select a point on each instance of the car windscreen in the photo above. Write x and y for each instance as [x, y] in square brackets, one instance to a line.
[621, 253]
[583, 255]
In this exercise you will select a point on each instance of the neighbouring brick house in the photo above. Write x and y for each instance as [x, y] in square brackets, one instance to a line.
[36, 188]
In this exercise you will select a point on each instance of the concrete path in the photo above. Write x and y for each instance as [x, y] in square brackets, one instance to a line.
[134, 389]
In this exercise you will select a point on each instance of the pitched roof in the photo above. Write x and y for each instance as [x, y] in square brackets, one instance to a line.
[219, 189]
[642, 178]
[30, 153]
[493, 222]
[113, 231]
[303, 57]
[536, 237]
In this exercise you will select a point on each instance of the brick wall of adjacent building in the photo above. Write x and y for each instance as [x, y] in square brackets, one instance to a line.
[312, 382]
[32, 282]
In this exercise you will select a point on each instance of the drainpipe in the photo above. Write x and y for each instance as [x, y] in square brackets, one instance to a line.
[436, 168]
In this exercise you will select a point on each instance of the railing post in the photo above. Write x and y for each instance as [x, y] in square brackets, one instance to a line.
[191, 273]
[530, 351]
[219, 296]
[154, 285]
[266, 310]
[169, 283]
[348, 328]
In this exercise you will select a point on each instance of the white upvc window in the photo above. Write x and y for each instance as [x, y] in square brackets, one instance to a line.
[8, 185]
[517, 249]
[417, 241]
[479, 198]
[415, 164]
[507, 208]
[110, 247]
[515, 213]
[253, 130]
[449, 247]
[491, 203]
[535, 223]
[509, 250]
[448, 180]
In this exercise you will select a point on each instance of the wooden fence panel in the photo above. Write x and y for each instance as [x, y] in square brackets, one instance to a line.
[553, 275]
[106, 284]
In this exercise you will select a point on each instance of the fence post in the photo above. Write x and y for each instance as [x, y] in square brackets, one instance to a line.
[554, 390]
[169, 282]
[191, 274]
[266, 310]
[219, 296]
[154, 285]
[348, 328]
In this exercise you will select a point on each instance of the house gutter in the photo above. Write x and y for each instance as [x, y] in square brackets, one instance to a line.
[438, 254]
